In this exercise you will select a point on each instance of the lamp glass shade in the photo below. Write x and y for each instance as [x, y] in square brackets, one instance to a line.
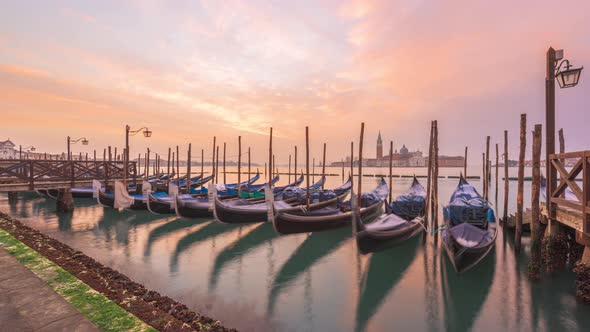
[569, 78]
[147, 133]
[84, 142]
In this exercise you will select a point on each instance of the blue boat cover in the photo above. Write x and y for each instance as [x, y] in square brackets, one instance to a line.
[412, 203]
[467, 206]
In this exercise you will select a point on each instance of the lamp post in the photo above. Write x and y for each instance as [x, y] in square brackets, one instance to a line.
[27, 149]
[567, 77]
[128, 132]
[84, 141]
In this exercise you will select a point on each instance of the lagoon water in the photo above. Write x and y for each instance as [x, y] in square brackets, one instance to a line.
[255, 280]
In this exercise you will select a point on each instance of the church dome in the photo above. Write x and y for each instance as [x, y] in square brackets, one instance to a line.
[403, 150]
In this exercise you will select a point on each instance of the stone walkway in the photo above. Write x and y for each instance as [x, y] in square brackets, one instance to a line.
[27, 303]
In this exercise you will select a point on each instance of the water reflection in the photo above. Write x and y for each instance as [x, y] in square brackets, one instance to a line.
[263, 233]
[464, 294]
[316, 246]
[384, 270]
[168, 228]
[211, 230]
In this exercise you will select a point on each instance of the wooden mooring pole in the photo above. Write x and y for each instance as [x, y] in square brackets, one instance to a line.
[497, 173]
[536, 234]
[213, 162]
[360, 175]
[519, 197]
[390, 171]
[435, 180]
[465, 164]
[168, 167]
[289, 172]
[506, 177]
[188, 169]
[217, 163]
[307, 164]
[239, 165]
[249, 165]
[428, 207]
[324, 165]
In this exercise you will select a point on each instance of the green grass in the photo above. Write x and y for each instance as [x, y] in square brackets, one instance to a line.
[101, 311]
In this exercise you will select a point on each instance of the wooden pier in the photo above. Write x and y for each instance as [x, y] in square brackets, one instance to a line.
[26, 174]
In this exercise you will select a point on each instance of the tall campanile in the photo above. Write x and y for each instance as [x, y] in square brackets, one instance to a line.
[379, 146]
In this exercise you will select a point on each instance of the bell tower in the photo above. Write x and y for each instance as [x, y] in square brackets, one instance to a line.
[379, 146]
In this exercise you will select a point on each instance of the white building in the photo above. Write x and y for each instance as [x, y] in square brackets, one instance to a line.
[7, 150]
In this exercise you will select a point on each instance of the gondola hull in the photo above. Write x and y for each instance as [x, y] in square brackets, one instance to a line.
[236, 215]
[292, 223]
[371, 240]
[109, 201]
[464, 258]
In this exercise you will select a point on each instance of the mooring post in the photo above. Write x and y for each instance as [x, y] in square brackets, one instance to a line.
[213, 162]
[497, 181]
[295, 162]
[390, 170]
[12, 197]
[428, 207]
[483, 173]
[239, 165]
[342, 162]
[536, 234]
[465, 164]
[217, 164]
[65, 201]
[506, 185]
[487, 174]
[435, 180]
[313, 170]
[249, 164]
[352, 163]
[202, 163]
[324, 164]
[360, 175]
[519, 197]
[289, 179]
[307, 165]
[188, 169]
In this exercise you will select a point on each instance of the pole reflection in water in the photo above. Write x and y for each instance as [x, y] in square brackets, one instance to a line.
[384, 270]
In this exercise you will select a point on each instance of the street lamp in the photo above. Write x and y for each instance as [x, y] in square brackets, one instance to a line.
[128, 132]
[567, 77]
[83, 140]
[27, 149]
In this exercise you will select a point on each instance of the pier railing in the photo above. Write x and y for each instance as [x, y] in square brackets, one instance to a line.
[579, 203]
[26, 174]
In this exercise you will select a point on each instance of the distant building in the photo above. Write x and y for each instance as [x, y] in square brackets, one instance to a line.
[7, 150]
[403, 158]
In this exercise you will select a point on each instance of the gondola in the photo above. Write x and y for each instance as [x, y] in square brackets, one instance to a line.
[166, 204]
[470, 227]
[329, 217]
[402, 221]
[244, 211]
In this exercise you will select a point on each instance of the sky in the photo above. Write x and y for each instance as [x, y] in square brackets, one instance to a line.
[191, 70]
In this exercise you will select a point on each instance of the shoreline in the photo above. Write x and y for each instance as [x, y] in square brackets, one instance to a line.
[160, 312]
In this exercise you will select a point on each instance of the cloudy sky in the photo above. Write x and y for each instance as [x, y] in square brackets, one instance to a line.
[190, 70]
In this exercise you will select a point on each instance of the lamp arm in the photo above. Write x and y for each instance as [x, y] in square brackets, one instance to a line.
[77, 140]
[133, 132]
[558, 67]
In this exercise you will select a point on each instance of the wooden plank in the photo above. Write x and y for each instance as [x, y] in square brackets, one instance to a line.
[575, 154]
[568, 179]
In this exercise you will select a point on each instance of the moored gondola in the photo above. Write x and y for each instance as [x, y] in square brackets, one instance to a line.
[328, 217]
[245, 211]
[470, 227]
[393, 228]
[191, 205]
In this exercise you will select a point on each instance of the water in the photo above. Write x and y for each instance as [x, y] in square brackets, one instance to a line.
[252, 279]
